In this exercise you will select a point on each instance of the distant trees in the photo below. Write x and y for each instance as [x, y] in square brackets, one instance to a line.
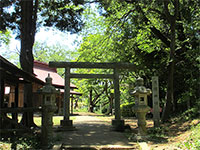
[160, 37]
[4, 37]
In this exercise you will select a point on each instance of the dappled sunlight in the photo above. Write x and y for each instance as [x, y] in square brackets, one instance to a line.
[92, 130]
[56, 120]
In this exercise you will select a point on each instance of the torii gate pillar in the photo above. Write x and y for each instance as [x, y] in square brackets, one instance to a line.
[66, 122]
[117, 123]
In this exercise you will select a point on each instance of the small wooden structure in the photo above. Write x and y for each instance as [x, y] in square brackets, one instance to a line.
[41, 70]
[117, 123]
[13, 76]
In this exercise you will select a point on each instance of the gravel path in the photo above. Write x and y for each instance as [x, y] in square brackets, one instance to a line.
[92, 131]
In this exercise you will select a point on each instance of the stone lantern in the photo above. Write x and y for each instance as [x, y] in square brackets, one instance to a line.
[49, 92]
[141, 108]
[48, 108]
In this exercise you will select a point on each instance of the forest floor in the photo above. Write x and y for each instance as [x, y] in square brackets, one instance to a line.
[169, 136]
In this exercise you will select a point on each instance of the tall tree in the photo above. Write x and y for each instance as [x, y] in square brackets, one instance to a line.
[158, 36]
[168, 22]
[26, 16]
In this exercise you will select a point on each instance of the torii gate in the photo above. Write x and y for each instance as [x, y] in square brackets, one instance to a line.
[117, 123]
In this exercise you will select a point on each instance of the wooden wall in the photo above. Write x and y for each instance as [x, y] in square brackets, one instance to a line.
[37, 99]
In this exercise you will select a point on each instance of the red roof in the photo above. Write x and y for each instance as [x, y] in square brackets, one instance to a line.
[41, 70]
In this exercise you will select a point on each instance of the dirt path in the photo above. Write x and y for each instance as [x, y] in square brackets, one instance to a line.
[93, 132]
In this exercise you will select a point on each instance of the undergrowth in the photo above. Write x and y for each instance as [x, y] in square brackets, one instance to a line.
[193, 141]
[20, 143]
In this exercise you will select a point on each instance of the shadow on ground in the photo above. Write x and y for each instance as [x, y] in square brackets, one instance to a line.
[92, 133]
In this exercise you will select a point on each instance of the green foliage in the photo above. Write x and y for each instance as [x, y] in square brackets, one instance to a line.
[127, 109]
[193, 142]
[104, 109]
[139, 32]
[64, 15]
[190, 114]
[158, 134]
[82, 109]
[4, 37]
[21, 142]
[44, 53]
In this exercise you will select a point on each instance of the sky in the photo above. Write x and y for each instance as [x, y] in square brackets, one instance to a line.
[48, 35]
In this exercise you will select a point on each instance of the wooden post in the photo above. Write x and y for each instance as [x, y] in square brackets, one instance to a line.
[156, 106]
[2, 90]
[16, 95]
[16, 99]
[14, 115]
[72, 99]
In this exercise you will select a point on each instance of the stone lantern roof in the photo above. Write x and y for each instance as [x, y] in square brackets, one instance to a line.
[48, 88]
[140, 88]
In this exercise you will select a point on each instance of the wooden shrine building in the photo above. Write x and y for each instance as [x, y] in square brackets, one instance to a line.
[12, 80]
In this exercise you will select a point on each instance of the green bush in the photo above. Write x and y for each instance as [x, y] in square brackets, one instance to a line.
[104, 109]
[190, 114]
[193, 142]
[21, 142]
[127, 109]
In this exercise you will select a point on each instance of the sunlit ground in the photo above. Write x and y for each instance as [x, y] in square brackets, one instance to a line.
[38, 119]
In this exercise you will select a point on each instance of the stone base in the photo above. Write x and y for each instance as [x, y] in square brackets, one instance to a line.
[62, 129]
[66, 123]
[118, 125]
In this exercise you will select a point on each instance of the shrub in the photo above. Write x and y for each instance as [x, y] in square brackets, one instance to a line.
[127, 110]
[190, 114]
[193, 142]
[104, 110]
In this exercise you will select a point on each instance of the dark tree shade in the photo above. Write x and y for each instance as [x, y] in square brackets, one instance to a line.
[62, 14]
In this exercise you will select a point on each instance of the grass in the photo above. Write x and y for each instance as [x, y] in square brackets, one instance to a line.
[38, 120]
[193, 141]
[5, 145]
[56, 120]
[30, 142]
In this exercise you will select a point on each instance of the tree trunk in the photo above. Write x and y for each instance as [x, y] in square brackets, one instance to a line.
[91, 105]
[27, 29]
[170, 84]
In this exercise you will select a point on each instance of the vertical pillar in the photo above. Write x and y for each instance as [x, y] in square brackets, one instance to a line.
[2, 89]
[66, 101]
[16, 95]
[117, 123]
[117, 94]
[67, 93]
[72, 99]
[16, 99]
[47, 125]
[155, 96]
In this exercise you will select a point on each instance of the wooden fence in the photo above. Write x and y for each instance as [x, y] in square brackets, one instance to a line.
[10, 125]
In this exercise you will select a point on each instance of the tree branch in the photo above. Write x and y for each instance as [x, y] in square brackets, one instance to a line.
[166, 9]
[155, 31]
